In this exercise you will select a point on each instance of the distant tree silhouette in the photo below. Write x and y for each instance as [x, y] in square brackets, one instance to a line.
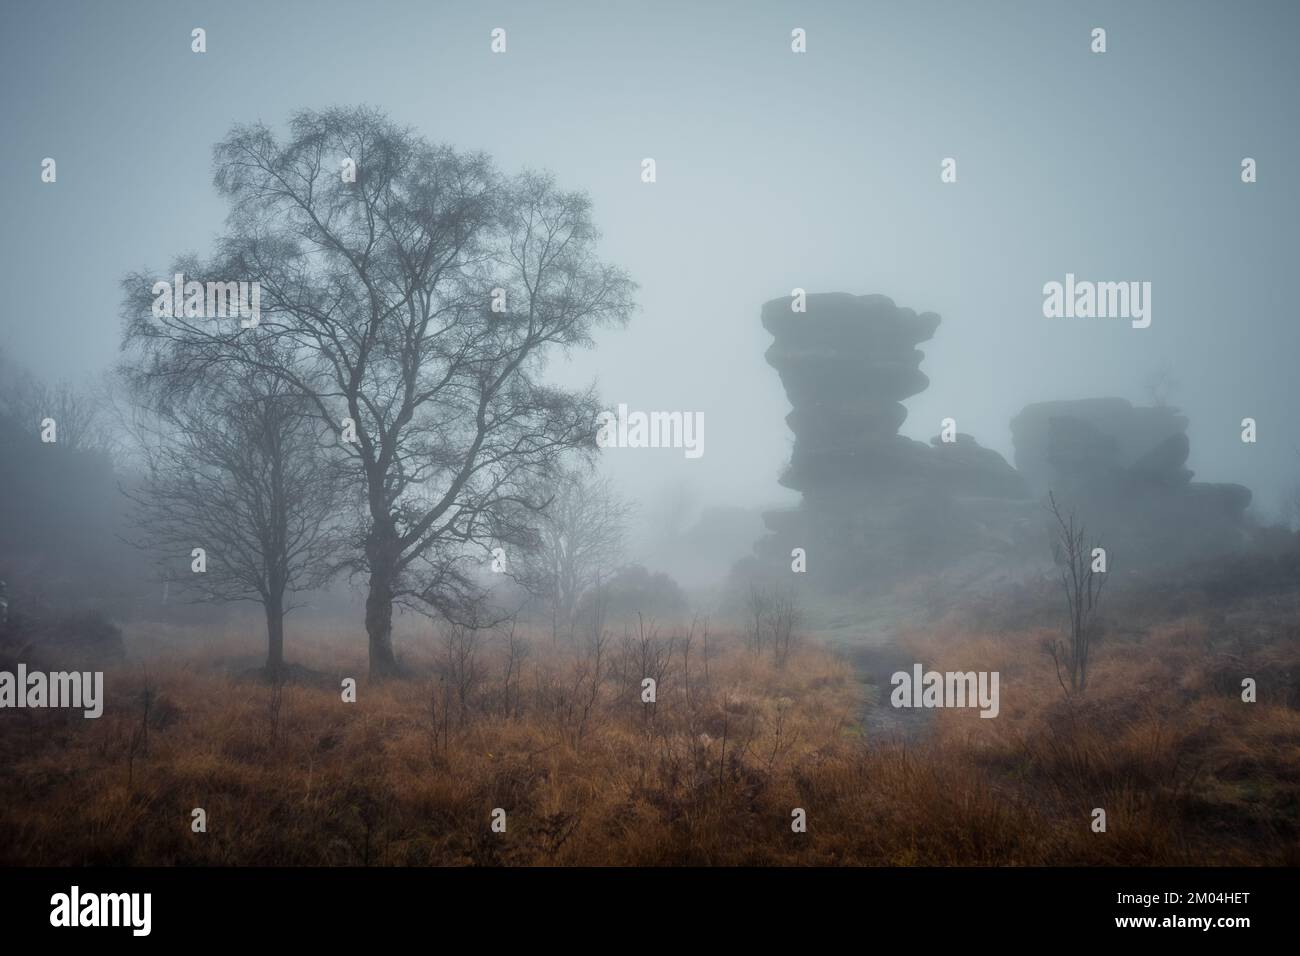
[580, 542]
[27, 401]
[59, 506]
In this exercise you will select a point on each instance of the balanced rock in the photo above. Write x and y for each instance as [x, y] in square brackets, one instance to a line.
[875, 505]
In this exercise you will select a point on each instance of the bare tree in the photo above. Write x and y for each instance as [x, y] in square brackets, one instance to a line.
[516, 652]
[419, 299]
[757, 610]
[785, 616]
[580, 542]
[774, 617]
[1083, 584]
[237, 470]
[460, 668]
[586, 688]
[28, 401]
[645, 655]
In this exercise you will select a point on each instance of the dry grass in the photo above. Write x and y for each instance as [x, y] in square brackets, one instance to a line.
[1187, 772]
[709, 775]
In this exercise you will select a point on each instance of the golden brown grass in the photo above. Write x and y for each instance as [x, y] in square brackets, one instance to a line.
[709, 775]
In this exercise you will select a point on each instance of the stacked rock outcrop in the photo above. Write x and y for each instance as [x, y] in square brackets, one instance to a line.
[877, 507]
[875, 504]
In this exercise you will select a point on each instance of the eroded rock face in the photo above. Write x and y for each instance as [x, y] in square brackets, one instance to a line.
[1098, 435]
[878, 508]
[1123, 469]
[876, 505]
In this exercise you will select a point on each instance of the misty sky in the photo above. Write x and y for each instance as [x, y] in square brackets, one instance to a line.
[775, 170]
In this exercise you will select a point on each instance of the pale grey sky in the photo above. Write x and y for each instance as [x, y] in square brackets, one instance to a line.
[775, 170]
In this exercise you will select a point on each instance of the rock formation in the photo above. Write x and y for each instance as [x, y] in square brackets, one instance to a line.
[878, 508]
[875, 505]
[1123, 468]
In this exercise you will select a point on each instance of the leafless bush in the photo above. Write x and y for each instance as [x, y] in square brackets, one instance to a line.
[585, 695]
[139, 744]
[645, 654]
[773, 617]
[511, 695]
[461, 669]
[439, 719]
[1083, 585]
[687, 643]
[785, 616]
[756, 606]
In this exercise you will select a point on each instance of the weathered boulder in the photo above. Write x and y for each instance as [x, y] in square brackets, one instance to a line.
[1055, 438]
[1122, 468]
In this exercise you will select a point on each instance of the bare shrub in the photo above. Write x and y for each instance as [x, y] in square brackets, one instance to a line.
[773, 618]
[461, 669]
[1073, 554]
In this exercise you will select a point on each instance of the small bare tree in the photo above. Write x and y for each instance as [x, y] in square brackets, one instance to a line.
[774, 616]
[785, 616]
[645, 654]
[460, 667]
[585, 696]
[580, 541]
[756, 608]
[515, 653]
[237, 469]
[1083, 584]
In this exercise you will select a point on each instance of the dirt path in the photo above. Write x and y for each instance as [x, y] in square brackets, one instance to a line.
[875, 664]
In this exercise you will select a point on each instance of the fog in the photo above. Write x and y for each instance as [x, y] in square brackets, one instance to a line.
[953, 313]
[774, 171]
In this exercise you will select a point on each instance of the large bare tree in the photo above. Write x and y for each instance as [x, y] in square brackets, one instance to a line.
[419, 292]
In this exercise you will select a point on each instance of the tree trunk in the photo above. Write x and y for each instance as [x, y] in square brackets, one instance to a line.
[379, 607]
[274, 636]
